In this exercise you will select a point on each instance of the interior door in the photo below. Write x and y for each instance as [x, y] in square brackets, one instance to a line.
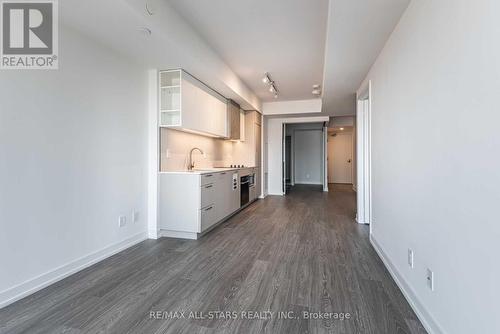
[340, 158]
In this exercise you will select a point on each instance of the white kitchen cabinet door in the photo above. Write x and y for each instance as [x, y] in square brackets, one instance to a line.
[219, 196]
[208, 217]
[190, 100]
[199, 108]
[223, 193]
[220, 117]
[234, 197]
[208, 194]
[227, 191]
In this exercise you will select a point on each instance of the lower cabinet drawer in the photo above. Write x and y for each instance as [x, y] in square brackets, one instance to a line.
[208, 217]
[207, 194]
[207, 178]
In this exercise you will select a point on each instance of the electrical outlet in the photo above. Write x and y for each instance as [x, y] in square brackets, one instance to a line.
[135, 216]
[410, 258]
[430, 279]
[122, 221]
[308, 176]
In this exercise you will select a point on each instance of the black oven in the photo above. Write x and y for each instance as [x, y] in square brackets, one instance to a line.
[245, 190]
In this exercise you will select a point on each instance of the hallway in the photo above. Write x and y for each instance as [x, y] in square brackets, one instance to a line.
[299, 253]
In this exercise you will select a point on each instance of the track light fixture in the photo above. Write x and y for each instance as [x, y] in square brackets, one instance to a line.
[266, 78]
[272, 85]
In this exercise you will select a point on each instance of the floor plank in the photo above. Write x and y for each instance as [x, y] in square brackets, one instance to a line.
[301, 255]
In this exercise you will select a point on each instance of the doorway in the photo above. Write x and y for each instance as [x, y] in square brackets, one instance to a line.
[304, 155]
[340, 157]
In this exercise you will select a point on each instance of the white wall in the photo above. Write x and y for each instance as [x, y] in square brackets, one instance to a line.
[217, 152]
[274, 135]
[292, 107]
[354, 158]
[73, 147]
[308, 156]
[337, 121]
[173, 42]
[435, 144]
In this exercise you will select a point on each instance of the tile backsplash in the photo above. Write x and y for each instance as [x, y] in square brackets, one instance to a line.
[175, 146]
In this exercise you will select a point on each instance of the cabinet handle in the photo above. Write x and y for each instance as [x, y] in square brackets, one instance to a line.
[223, 173]
[208, 175]
[209, 208]
[209, 186]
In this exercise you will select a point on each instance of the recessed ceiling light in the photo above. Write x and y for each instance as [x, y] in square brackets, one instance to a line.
[341, 129]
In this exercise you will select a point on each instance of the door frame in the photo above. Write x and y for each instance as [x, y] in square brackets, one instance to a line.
[363, 153]
[283, 158]
[324, 148]
[325, 157]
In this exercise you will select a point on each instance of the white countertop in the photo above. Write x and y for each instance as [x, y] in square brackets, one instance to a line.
[202, 171]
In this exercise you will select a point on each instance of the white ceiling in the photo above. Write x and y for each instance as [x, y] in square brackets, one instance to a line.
[357, 32]
[283, 37]
[288, 38]
[118, 25]
[300, 42]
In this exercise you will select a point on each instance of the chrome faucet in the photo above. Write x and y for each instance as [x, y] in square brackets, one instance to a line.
[191, 164]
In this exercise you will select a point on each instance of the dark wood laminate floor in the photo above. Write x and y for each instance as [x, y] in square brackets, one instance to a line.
[299, 253]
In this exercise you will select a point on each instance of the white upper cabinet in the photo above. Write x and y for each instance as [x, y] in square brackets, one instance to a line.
[233, 120]
[187, 104]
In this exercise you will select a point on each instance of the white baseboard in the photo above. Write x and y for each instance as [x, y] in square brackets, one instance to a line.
[360, 221]
[153, 234]
[427, 320]
[178, 234]
[35, 284]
